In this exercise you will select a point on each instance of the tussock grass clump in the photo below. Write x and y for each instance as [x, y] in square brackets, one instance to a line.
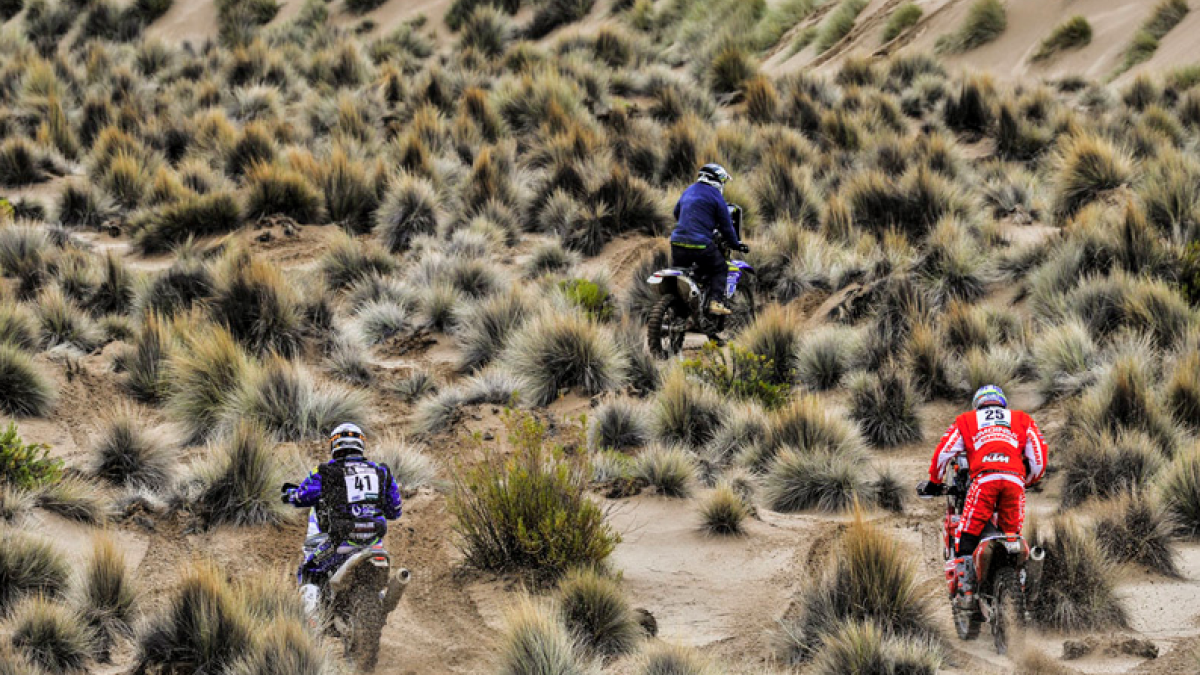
[1109, 465]
[838, 24]
[128, 453]
[145, 362]
[534, 640]
[1181, 492]
[275, 190]
[618, 424]
[556, 352]
[1166, 15]
[864, 647]
[1078, 587]
[902, 18]
[885, 406]
[1137, 529]
[529, 512]
[1182, 392]
[1169, 192]
[196, 216]
[378, 321]
[21, 163]
[409, 209]
[1067, 360]
[913, 204]
[596, 612]
[870, 579]
[671, 659]
[1086, 167]
[107, 596]
[774, 337]
[550, 258]
[348, 361]
[484, 328]
[487, 30]
[253, 300]
[985, 21]
[284, 400]
[206, 376]
[51, 636]
[554, 13]
[411, 467]
[730, 69]
[29, 567]
[687, 413]
[817, 479]
[178, 288]
[204, 626]
[825, 356]
[75, 499]
[724, 511]
[349, 261]
[17, 327]
[1124, 399]
[671, 471]
[61, 322]
[240, 483]
[1074, 33]
[807, 425]
[24, 391]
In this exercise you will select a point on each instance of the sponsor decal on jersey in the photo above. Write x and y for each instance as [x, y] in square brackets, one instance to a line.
[996, 434]
[994, 457]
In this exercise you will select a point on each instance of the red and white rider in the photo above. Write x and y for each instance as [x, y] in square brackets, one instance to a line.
[1005, 453]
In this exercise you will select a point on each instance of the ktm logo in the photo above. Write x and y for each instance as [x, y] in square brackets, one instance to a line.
[995, 457]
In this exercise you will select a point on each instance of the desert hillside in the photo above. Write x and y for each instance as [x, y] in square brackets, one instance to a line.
[226, 227]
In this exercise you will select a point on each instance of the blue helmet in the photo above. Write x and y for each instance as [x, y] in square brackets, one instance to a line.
[989, 395]
[714, 175]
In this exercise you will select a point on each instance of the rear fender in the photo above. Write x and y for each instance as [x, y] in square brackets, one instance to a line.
[675, 282]
[992, 551]
[374, 556]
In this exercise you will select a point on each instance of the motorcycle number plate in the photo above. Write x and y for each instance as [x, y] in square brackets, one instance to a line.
[1013, 547]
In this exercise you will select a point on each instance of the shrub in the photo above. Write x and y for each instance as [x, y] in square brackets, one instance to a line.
[145, 363]
[411, 468]
[130, 454]
[177, 288]
[1136, 529]
[107, 598]
[203, 627]
[885, 406]
[29, 567]
[550, 258]
[807, 426]
[1181, 492]
[17, 327]
[730, 69]
[597, 613]
[985, 21]
[486, 30]
[60, 322]
[409, 209]
[348, 361]
[1074, 33]
[552, 353]
[953, 267]
[902, 18]
[1108, 466]
[51, 636]
[670, 659]
[815, 479]
[282, 398]
[239, 485]
[196, 216]
[349, 261]
[773, 336]
[865, 647]
[20, 163]
[785, 191]
[253, 301]
[1078, 588]
[591, 297]
[1066, 360]
[206, 375]
[1123, 399]
[839, 23]
[1169, 194]
[871, 578]
[74, 499]
[825, 355]
[24, 391]
[534, 640]
[273, 190]
[1086, 166]
[913, 204]
[485, 327]
[1182, 393]
[350, 195]
[618, 424]
[685, 413]
[762, 100]
[671, 471]
[723, 511]
[378, 321]
[529, 512]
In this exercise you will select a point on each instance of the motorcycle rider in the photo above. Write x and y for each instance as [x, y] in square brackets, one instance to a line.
[701, 211]
[353, 499]
[1005, 453]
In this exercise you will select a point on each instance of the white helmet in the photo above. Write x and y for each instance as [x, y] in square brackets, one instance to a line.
[347, 439]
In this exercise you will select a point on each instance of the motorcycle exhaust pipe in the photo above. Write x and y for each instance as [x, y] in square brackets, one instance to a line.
[1033, 572]
[397, 584]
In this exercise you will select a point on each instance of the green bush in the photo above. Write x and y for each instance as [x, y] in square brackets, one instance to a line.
[985, 21]
[739, 373]
[593, 298]
[529, 512]
[1073, 33]
[904, 17]
[26, 465]
[839, 23]
[1166, 15]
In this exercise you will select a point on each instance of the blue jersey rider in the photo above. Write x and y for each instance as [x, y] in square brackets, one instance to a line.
[700, 214]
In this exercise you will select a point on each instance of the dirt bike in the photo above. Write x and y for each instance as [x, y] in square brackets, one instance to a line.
[682, 307]
[1008, 572]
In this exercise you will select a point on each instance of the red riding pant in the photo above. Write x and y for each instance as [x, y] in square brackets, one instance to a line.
[1001, 494]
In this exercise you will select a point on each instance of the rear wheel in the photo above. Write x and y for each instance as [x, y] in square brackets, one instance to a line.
[743, 309]
[1008, 614]
[966, 623]
[365, 619]
[666, 327]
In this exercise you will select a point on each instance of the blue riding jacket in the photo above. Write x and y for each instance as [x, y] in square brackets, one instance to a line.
[702, 209]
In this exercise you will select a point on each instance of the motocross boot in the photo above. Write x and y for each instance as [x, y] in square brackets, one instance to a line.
[964, 572]
[718, 308]
[310, 596]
